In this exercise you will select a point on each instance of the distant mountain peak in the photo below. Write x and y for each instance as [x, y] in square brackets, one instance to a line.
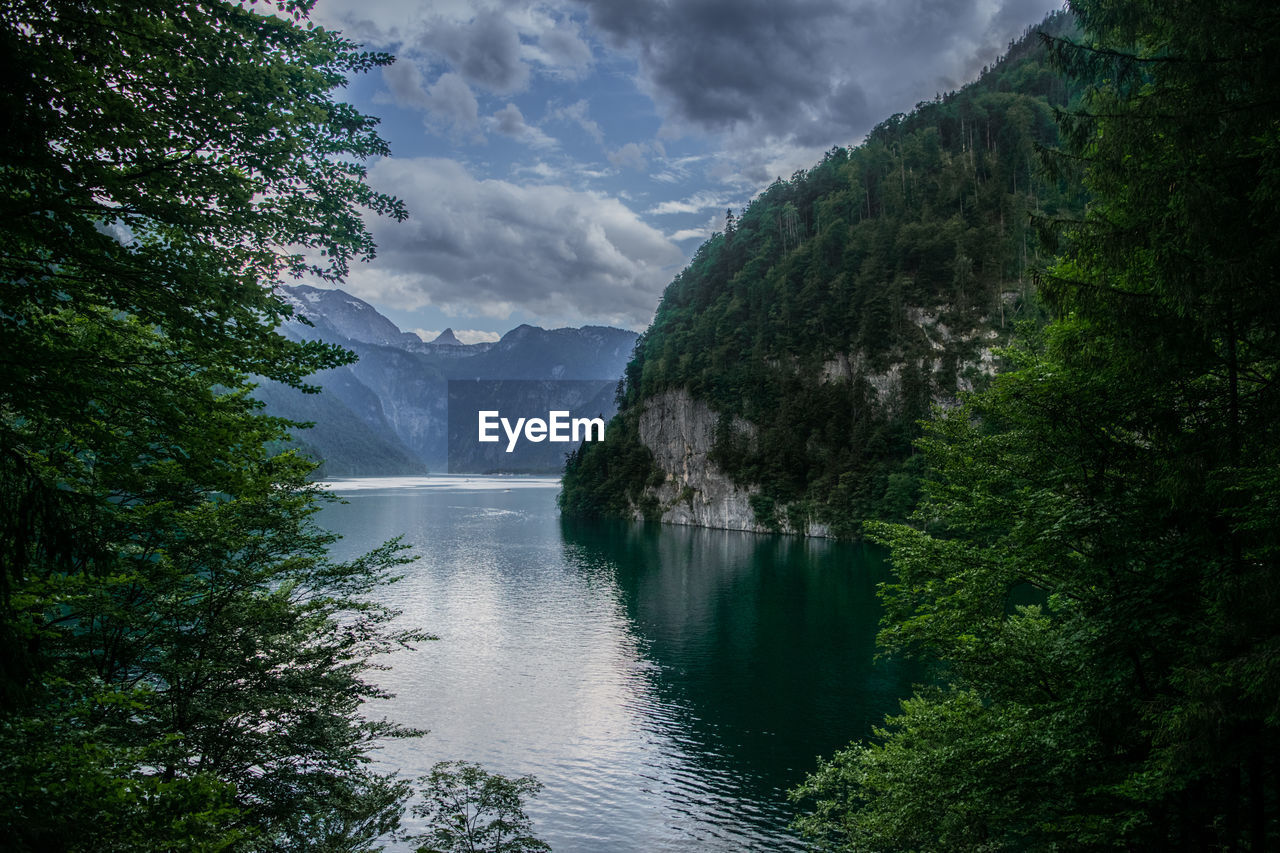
[447, 338]
[338, 312]
[388, 412]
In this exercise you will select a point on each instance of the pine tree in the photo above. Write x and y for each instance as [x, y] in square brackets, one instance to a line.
[1122, 482]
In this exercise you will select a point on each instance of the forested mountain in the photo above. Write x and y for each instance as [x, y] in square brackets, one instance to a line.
[781, 381]
[388, 413]
[1094, 568]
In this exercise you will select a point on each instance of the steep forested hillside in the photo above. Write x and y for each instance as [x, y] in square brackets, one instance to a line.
[1125, 468]
[797, 351]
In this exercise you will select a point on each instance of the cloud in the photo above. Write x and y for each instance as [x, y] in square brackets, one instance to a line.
[713, 223]
[404, 82]
[812, 73]
[484, 50]
[495, 46]
[631, 156]
[540, 170]
[449, 101]
[509, 121]
[493, 247]
[692, 233]
[693, 204]
[466, 336]
[576, 113]
[679, 169]
[562, 49]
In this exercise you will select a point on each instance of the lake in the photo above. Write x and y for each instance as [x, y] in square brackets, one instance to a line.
[667, 685]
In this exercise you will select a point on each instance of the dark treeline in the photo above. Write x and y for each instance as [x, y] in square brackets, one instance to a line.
[899, 259]
[1125, 473]
[182, 666]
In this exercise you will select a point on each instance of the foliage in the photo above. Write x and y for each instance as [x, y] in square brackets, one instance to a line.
[1124, 474]
[843, 302]
[181, 665]
[471, 810]
[610, 482]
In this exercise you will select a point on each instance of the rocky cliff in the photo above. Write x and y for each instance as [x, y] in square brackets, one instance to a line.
[783, 380]
[680, 432]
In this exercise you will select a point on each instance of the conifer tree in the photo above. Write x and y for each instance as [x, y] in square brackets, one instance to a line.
[1123, 476]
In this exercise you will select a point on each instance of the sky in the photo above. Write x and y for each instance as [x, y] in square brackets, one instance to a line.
[561, 161]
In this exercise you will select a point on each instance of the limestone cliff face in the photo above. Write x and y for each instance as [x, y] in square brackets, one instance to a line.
[833, 316]
[680, 433]
[680, 430]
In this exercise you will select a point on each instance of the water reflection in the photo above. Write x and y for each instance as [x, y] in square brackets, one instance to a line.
[667, 685]
[764, 644]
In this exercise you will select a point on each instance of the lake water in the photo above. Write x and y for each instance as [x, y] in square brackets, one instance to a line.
[667, 685]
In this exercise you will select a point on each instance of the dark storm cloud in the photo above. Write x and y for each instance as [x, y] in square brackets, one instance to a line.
[812, 72]
[484, 50]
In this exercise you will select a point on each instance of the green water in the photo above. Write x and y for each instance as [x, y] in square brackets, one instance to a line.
[667, 685]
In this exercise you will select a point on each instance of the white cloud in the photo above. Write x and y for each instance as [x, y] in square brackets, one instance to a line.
[679, 169]
[562, 50]
[451, 99]
[713, 223]
[404, 82]
[631, 156]
[509, 121]
[696, 203]
[492, 247]
[449, 102]
[542, 170]
[576, 113]
[467, 336]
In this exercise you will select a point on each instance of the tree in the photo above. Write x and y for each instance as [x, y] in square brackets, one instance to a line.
[471, 810]
[888, 261]
[1120, 482]
[181, 665]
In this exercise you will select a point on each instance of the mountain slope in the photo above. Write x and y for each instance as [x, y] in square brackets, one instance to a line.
[780, 383]
[389, 412]
[350, 444]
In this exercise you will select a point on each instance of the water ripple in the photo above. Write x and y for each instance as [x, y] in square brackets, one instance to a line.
[667, 688]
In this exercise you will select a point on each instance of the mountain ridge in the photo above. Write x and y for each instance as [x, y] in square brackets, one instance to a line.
[387, 413]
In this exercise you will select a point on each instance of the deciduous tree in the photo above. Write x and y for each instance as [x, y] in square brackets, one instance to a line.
[181, 665]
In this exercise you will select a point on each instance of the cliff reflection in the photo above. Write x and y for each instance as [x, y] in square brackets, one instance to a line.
[763, 645]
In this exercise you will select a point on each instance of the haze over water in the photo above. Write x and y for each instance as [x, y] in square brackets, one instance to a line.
[667, 685]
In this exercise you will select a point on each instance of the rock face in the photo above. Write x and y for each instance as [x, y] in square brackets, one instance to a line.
[680, 433]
